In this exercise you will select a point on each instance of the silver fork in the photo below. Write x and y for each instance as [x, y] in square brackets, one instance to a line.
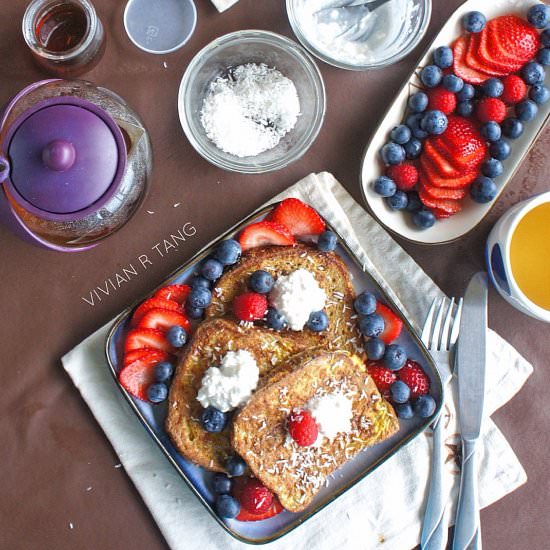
[439, 335]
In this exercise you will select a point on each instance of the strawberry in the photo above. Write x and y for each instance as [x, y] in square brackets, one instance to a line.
[176, 293]
[442, 100]
[163, 319]
[468, 74]
[440, 214]
[490, 108]
[302, 427]
[250, 306]
[153, 303]
[442, 192]
[298, 217]
[515, 37]
[255, 497]
[239, 485]
[489, 53]
[147, 338]
[464, 142]
[429, 177]
[448, 206]
[131, 356]
[414, 376]
[443, 164]
[265, 233]
[474, 60]
[383, 377]
[139, 374]
[515, 89]
[392, 323]
[404, 175]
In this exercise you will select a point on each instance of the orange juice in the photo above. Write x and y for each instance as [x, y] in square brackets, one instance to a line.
[530, 255]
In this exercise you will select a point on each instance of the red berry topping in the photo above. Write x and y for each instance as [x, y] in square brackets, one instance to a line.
[404, 175]
[383, 377]
[515, 89]
[239, 485]
[302, 427]
[491, 108]
[163, 319]
[265, 233]
[176, 293]
[140, 373]
[149, 338]
[250, 306]
[414, 376]
[442, 100]
[256, 498]
[154, 303]
[298, 217]
[392, 323]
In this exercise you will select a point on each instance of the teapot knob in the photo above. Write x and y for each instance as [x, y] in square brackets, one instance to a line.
[59, 155]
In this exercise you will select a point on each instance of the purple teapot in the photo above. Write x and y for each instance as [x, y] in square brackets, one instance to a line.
[75, 162]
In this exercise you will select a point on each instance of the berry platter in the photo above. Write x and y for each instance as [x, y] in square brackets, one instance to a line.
[468, 199]
[200, 481]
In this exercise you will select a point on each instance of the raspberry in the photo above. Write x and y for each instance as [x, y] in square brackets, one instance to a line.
[255, 497]
[404, 175]
[442, 100]
[515, 89]
[417, 380]
[250, 306]
[302, 427]
[491, 108]
[383, 377]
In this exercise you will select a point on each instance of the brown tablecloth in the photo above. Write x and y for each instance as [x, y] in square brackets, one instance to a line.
[60, 487]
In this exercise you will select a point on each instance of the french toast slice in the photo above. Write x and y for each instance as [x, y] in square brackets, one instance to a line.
[294, 473]
[211, 341]
[329, 270]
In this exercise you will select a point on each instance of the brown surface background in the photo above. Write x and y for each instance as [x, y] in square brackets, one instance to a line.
[52, 449]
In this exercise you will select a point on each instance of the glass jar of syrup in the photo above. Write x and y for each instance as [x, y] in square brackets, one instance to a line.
[66, 37]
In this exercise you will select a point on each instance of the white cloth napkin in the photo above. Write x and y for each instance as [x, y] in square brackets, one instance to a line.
[222, 5]
[365, 516]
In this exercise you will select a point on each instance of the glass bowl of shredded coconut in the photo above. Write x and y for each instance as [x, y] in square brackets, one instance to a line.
[252, 101]
[382, 36]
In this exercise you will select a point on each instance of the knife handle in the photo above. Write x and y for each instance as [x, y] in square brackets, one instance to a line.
[467, 534]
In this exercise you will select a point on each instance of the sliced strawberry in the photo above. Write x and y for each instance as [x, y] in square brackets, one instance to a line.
[147, 338]
[490, 55]
[465, 144]
[473, 59]
[439, 161]
[299, 217]
[139, 374]
[176, 293]
[382, 376]
[443, 192]
[440, 214]
[461, 68]
[265, 233]
[239, 484]
[446, 205]
[131, 356]
[153, 303]
[430, 177]
[515, 37]
[392, 323]
[163, 319]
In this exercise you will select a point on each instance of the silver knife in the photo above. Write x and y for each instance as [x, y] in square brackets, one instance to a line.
[470, 366]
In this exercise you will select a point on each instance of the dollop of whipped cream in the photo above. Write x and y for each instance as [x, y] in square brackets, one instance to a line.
[296, 296]
[231, 384]
[332, 412]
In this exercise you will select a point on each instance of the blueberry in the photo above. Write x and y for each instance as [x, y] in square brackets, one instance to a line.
[392, 153]
[163, 371]
[212, 269]
[261, 282]
[414, 203]
[318, 321]
[413, 122]
[539, 16]
[500, 149]
[235, 466]
[194, 312]
[443, 57]
[467, 92]
[474, 21]
[539, 93]
[465, 108]
[228, 252]
[274, 319]
[543, 56]
[453, 83]
[176, 336]
[545, 38]
[394, 357]
[413, 148]
[526, 110]
[371, 325]
[404, 410]
[492, 168]
[483, 190]
[199, 297]
[423, 219]
[375, 348]
[227, 506]
[491, 131]
[398, 201]
[434, 122]
[431, 76]
[400, 392]
[401, 134]
[327, 241]
[384, 186]
[493, 87]
[424, 406]
[418, 102]
[512, 128]
[365, 303]
[221, 484]
[200, 282]
[533, 73]
[213, 420]
[157, 392]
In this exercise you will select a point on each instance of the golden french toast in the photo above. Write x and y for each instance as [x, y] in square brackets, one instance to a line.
[260, 434]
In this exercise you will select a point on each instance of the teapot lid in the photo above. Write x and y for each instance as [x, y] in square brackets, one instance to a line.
[65, 155]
